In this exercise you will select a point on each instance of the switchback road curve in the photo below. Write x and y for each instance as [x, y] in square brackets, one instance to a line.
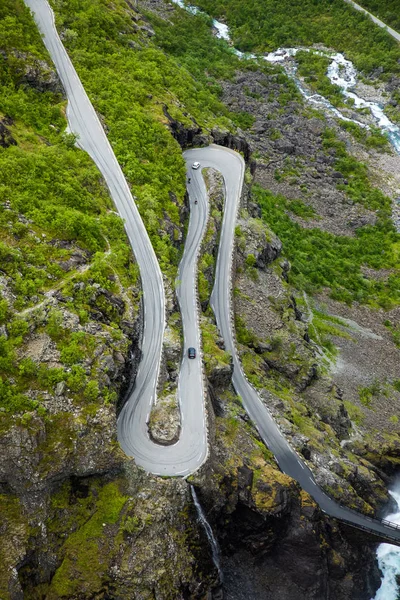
[191, 451]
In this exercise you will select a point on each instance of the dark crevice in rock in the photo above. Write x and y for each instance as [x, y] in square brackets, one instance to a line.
[184, 136]
[132, 360]
[232, 141]
[195, 136]
[217, 405]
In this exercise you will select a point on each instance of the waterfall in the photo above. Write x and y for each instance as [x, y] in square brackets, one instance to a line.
[341, 72]
[209, 532]
[389, 557]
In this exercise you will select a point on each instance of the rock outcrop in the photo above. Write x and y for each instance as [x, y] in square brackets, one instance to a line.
[6, 138]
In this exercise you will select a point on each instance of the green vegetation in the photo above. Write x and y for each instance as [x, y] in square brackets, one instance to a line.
[358, 187]
[85, 551]
[214, 356]
[206, 263]
[300, 416]
[263, 25]
[135, 85]
[355, 412]
[323, 260]
[323, 327]
[367, 394]
[51, 191]
[394, 328]
[253, 366]
[187, 38]
[243, 334]
[14, 536]
[387, 10]
[313, 68]
[371, 138]
[289, 170]
[298, 208]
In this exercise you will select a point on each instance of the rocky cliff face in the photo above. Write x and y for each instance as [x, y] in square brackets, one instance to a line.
[79, 519]
[273, 537]
[265, 524]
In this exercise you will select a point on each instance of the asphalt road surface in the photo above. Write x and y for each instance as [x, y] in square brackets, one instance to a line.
[231, 165]
[190, 451]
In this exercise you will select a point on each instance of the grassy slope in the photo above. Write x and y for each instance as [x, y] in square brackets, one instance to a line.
[265, 25]
[120, 81]
[57, 188]
[49, 190]
[323, 260]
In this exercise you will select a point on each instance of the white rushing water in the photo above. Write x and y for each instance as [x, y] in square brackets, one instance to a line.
[341, 72]
[389, 557]
[209, 532]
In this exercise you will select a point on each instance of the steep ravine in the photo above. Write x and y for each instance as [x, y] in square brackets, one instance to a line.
[79, 519]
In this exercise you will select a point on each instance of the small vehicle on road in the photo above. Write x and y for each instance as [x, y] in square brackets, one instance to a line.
[192, 352]
[196, 165]
[195, 201]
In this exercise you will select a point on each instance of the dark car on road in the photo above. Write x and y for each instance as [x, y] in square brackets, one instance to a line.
[192, 352]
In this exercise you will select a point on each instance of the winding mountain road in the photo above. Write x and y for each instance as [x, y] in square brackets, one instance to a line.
[187, 455]
[231, 165]
[191, 450]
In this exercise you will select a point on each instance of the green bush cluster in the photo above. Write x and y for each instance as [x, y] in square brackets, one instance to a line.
[367, 394]
[298, 208]
[83, 552]
[214, 356]
[357, 186]
[243, 335]
[53, 202]
[323, 260]
[313, 68]
[14, 375]
[386, 10]
[372, 138]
